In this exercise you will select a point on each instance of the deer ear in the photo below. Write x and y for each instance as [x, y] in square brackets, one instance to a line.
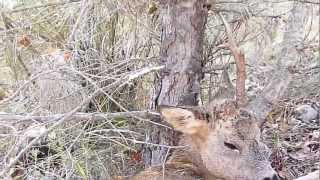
[184, 120]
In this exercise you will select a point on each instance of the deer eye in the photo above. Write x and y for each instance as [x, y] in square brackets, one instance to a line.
[231, 146]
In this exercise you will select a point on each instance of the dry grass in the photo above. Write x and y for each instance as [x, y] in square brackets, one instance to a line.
[295, 143]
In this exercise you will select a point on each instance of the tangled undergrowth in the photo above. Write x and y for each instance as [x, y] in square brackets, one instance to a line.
[295, 142]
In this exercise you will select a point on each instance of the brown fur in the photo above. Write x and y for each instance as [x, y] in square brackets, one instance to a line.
[224, 145]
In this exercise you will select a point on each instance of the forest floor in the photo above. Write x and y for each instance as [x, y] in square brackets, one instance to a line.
[295, 143]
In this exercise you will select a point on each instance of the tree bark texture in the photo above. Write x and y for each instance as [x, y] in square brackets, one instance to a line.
[183, 24]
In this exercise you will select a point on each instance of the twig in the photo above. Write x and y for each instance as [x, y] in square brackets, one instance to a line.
[77, 24]
[60, 120]
[8, 118]
[122, 81]
[164, 163]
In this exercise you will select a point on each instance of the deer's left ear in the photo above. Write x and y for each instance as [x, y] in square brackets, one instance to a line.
[184, 120]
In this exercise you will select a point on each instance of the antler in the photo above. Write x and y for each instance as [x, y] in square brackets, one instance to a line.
[240, 63]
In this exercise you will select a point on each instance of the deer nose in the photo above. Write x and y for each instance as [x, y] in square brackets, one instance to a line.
[274, 177]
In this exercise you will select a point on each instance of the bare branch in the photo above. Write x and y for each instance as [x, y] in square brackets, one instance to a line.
[14, 118]
[58, 120]
[84, 7]
[61, 119]
[145, 70]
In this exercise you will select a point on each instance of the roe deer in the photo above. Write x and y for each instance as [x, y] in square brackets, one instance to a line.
[222, 143]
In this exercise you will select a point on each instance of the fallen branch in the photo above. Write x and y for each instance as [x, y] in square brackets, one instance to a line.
[142, 71]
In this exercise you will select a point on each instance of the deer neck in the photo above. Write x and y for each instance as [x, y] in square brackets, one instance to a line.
[189, 159]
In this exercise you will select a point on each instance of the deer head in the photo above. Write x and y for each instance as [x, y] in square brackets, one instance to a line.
[223, 141]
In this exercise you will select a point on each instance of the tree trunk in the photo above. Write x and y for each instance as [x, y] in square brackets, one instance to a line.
[183, 24]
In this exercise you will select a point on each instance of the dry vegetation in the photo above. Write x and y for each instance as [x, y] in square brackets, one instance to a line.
[101, 57]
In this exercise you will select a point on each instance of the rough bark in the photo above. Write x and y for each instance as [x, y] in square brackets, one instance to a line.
[183, 24]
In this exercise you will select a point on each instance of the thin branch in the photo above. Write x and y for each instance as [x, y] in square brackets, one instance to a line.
[61, 119]
[10, 119]
[71, 37]
[145, 70]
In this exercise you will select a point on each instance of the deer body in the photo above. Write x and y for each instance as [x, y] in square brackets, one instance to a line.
[220, 143]
[182, 165]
